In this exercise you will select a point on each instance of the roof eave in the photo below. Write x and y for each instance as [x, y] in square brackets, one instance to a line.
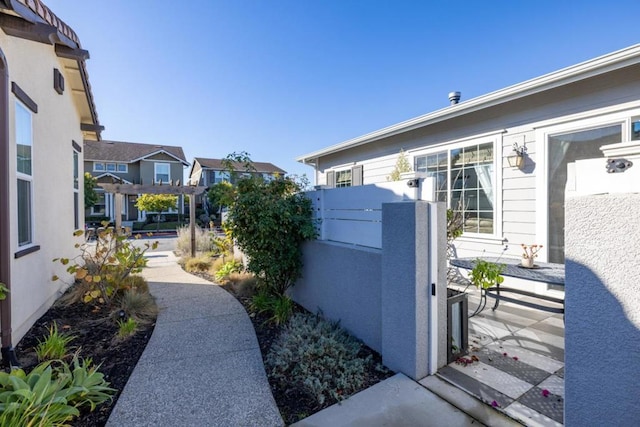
[603, 64]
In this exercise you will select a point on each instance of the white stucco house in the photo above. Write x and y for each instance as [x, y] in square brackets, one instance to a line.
[553, 120]
[46, 111]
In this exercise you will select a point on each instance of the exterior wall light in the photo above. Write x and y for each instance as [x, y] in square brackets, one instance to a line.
[516, 160]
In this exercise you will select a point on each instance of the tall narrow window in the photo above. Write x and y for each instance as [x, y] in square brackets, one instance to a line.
[162, 172]
[24, 145]
[76, 187]
[436, 166]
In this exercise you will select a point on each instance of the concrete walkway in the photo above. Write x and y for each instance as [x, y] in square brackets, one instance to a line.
[202, 366]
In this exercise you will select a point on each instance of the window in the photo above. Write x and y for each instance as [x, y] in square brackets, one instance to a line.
[111, 167]
[162, 172]
[343, 178]
[635, 128]
[220, 176]
[122, 167]
[98, 167]
[465, 180]
[24, 145]
[100, 205]
[76, 186]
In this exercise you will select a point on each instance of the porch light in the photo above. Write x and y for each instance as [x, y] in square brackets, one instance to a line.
[516, 160]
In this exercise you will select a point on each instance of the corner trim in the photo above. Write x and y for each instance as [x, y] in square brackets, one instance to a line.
[27, 251]
[23, 97]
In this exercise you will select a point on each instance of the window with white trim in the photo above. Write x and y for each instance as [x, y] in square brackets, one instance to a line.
[99, 208]
[465, 179]
[111, 167]
[24, 150]
[343, 178]
[635, 128]
[98, 167]
[122, 167]
[162, 172]
[221, 176]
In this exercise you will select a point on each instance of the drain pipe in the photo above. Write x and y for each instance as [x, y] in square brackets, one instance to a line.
[8, 352]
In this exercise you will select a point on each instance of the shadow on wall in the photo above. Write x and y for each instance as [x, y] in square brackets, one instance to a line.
[602, 349]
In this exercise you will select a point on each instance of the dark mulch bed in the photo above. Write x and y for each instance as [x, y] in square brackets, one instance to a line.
[295, 404]
[95, 334]
[95, 337]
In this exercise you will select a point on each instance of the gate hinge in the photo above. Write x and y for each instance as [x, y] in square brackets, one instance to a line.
[433, 289]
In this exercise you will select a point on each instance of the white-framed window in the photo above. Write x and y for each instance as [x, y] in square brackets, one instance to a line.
[24, 150]
[221, 176]
[465, 179]
[343, 178]
[111, 167]
[98, 167]
[122, 167]
[99, 208]
[162, 172]
[76, 190]
[635, 128]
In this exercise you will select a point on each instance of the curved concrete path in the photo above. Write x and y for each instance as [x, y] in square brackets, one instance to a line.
[202, 366]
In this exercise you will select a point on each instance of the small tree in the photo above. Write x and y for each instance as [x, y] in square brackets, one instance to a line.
[221, 195]
[157, 203]
[90, 195]
[269, 221]
[402, 166]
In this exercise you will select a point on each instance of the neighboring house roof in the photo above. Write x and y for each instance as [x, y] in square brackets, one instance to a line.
[261, 167]
[128, 152]
[594, 67]
[43, 26]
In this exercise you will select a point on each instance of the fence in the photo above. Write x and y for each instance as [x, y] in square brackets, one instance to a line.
[353, 215]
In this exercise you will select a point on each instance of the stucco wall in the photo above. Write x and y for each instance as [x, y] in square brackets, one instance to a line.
[344, 282]
[55, 126]
[602, 329]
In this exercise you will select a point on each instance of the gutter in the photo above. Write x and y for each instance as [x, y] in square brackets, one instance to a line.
[591, 68]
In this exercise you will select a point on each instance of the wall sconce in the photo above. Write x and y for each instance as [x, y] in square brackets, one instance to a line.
[516, 160]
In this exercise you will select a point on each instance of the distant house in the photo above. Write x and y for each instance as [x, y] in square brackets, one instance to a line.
[553, 120]
[46, 111]
[130, 163]
[212, 171]
[207, 172]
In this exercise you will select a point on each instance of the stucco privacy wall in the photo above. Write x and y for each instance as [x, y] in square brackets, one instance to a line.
[602, 329]
[55, 126]
[381, 296]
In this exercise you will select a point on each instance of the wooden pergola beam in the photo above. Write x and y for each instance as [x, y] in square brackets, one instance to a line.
[134, 189]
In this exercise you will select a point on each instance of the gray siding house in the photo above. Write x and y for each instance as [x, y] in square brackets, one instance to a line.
[504, 159]
[130, 163]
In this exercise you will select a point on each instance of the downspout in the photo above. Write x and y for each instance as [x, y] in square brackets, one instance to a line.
[8, 353]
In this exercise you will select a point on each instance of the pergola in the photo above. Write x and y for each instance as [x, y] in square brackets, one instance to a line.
[134, 189]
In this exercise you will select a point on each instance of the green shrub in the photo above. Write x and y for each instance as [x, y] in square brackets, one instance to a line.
[102, 270]
[162, 226]
[54, 346]
[198, 264]
[49, 396]
[486, 274]
[278, 307]
[228, 268]
[318, 357]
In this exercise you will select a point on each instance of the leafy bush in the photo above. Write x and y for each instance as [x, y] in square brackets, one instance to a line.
[49, 396]
[317, 356]
[101, 271]
[204, 242]
[54, 346]
[228, 268]
[269, 221]
[171, 226]
[280, 307]
[486, 274]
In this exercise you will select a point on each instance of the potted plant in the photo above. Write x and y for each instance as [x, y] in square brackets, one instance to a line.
[529, 253]
[486, 274]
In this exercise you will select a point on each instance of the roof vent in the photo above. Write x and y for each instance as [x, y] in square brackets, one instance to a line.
[454, 97]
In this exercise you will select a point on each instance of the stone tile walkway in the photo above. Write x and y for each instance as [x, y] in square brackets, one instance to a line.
[520, 363]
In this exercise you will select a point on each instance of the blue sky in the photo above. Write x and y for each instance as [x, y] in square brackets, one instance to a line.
[279, 79]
